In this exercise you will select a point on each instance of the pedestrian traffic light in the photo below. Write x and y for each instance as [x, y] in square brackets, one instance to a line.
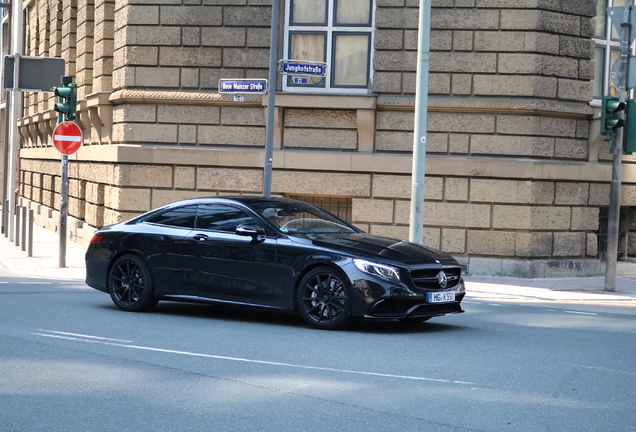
[629, 129]
[67, 100]
[610, 110]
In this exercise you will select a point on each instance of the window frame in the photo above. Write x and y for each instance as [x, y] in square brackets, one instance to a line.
[246, 214]
[607, 43]
[330, 30]
[152, 217]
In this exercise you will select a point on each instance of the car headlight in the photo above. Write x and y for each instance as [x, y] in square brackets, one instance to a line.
[461, 288]
[388, 273]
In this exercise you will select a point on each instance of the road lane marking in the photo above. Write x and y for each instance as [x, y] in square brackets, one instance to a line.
[580, 313]
[35, 283]
[83, 336]
[103, 341]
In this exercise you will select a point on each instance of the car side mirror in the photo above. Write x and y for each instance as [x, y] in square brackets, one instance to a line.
[251, 230]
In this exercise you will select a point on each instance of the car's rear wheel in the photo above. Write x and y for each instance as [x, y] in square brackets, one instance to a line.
[324, 299]
[130, 284]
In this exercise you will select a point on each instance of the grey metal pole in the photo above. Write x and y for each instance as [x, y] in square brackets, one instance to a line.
[63, 210]
[416, 231]
[24, 228]
[14, 146]
[7, 125]
[17, 226]
[5, 216]
[5, 164]
[271, 97]
[17, 26]
[30, 247]
[615, 185]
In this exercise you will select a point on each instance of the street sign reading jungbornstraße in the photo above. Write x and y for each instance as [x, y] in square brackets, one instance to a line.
[253, 86]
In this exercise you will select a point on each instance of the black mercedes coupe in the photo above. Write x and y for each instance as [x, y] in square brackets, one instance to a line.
[270, 252]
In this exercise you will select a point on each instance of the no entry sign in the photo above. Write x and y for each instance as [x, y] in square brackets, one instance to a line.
[67, 137]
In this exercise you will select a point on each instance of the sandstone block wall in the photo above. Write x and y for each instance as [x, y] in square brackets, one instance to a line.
[512, 174]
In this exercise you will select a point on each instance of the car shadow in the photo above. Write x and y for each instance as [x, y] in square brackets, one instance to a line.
[397, 327]
[228, 313]
[255, 315]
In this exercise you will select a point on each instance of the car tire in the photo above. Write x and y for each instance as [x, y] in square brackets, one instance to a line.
[324, 299]
[130, 284]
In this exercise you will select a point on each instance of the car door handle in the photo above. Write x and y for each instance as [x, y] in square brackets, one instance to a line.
[200, 237]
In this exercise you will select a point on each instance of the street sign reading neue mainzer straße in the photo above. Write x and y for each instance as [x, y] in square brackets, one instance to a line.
[253, 86]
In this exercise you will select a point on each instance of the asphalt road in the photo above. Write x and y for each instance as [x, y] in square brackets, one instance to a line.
[70, 361]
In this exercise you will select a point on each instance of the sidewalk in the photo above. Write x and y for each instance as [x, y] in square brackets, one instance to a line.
[45, 260]
[45, 263]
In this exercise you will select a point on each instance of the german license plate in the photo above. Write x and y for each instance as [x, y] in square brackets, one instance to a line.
[441, 297]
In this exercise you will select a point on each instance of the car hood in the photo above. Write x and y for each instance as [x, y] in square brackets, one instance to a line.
[372, 246]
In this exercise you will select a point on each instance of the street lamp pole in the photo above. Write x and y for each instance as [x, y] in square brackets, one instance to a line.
[416, 231]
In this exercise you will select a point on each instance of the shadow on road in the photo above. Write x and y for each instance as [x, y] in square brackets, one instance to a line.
[244, 314]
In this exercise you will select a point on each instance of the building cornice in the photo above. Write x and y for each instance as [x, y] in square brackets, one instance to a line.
[487, 105]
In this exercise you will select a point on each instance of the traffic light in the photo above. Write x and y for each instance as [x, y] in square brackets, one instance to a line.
[629, 129]
[610, 109]
[67, 100]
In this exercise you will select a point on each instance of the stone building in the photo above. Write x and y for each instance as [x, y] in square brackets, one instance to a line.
[517, 175]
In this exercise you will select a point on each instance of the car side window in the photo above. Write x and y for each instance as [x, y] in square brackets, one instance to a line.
[221, 218]
[182, 217]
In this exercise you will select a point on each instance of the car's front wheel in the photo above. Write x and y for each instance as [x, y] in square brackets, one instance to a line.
[324, 299]
[130, 284]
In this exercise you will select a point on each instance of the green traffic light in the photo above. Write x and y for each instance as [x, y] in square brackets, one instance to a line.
[629, 131]
[67, 101]
[611, 108]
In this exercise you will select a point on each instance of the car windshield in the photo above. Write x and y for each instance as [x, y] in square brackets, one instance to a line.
[301, 218]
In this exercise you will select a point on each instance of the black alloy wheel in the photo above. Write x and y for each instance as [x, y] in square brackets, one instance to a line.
[324, 299]
[130, 284]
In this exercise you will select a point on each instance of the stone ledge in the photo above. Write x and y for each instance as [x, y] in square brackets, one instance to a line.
[540, 268]
[359, 162]
[491, 105]
[176, 97]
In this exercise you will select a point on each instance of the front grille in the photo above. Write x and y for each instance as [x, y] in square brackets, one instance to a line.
[396, 308]
[427, 278]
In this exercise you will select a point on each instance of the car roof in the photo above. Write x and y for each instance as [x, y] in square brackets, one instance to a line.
[247, 200]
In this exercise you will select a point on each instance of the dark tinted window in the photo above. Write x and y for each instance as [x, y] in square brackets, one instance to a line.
[222, 218]
[179, 217]
[301, 218]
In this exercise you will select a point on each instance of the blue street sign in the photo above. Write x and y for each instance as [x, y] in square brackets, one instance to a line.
[297, 67]
[300, 80]
[254, 86]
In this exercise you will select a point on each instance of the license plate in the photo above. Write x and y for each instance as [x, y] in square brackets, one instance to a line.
[441, 297]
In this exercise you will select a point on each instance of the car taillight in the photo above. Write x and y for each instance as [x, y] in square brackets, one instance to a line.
[96, 238]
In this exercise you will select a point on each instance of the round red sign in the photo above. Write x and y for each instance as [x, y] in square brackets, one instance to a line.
[67, 137]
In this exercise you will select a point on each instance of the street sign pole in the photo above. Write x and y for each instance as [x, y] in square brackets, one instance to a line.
[67, 138]
[63, 193]
[17, 33]
[7, 126]
[271, 97]
[615, 185]
[63, 211]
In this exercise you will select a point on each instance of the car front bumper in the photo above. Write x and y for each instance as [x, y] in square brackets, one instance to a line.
[381, 300]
